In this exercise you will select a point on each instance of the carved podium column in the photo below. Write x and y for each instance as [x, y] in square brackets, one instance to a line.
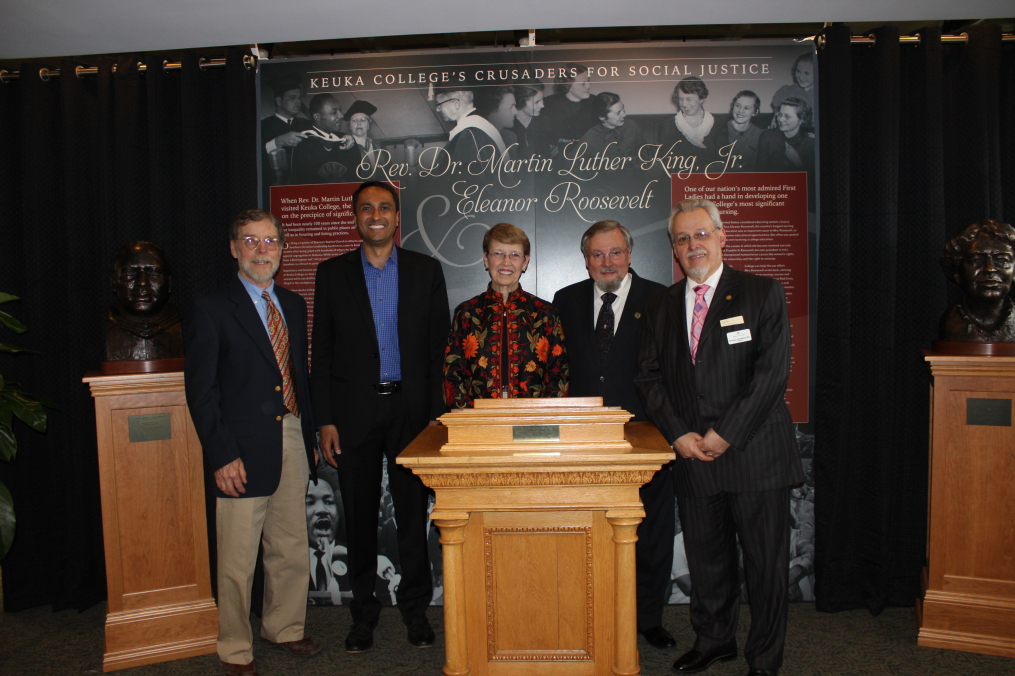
[968, 598]
[538, 507]
[153, 520]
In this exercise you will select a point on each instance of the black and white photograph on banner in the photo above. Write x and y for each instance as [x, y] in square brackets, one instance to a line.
[552, 140]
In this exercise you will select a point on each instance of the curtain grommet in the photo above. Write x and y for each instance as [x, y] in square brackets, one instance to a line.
[3, 75]
[44, 74]
[249, 62]
[202, 63]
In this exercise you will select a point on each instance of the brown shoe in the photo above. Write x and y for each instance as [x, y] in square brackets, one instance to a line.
[305, 647]
[240, 669]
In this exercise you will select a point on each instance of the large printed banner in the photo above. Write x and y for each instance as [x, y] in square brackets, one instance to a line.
[551, 140]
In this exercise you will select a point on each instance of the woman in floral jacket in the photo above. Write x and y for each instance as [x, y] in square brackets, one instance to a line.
[476, 365]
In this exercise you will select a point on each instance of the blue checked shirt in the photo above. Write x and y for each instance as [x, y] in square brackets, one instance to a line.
[382, 287]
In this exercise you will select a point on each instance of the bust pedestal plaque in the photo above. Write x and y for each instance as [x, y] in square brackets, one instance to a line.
[968, 600]
[151, 477]
[538, 508]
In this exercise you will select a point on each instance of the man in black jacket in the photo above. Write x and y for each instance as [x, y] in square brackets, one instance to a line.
[380, 328]
[248, 391]
[713, 365]
[602, 318]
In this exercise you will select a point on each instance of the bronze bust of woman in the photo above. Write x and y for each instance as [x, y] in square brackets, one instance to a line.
[980, 260]
[142, 325]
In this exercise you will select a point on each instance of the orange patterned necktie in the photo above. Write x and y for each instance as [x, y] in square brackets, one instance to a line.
[280, 344]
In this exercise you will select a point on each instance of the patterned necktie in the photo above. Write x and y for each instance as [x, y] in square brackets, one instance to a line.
[604, 325]
[280, 345]
[698, 321]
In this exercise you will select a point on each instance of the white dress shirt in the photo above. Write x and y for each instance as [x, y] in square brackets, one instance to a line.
[690, 297]
[618, 302]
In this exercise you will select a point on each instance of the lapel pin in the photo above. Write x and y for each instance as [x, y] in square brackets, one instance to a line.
[637, 315]
[729, 297]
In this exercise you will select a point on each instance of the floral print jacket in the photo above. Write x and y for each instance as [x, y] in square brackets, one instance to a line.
[537, 358]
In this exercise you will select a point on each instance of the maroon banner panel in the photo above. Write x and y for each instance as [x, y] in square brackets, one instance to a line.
[765, 218]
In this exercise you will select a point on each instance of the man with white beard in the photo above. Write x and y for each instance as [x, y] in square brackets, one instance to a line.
[247, 383]
[713, 366]
[602, 318]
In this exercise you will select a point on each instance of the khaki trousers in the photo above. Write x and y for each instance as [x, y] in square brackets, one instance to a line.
[280, 522]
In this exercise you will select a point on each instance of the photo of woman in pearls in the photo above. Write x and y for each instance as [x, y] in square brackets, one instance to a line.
[740, 130]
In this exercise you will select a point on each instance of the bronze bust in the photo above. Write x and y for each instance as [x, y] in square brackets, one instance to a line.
[980, 260]
[142, 325]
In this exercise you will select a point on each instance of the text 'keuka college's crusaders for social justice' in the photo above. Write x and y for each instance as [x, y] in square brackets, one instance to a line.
[501, 75]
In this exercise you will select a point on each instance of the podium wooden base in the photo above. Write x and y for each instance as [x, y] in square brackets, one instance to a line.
[151, 476]
[539, 568]
[969, 583]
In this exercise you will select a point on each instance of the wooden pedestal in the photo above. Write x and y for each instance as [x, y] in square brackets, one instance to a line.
[153, 519]
[538, 535]
[969, 583]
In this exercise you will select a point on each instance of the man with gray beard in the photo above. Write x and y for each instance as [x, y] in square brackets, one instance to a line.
[248, 390]
[602, 318]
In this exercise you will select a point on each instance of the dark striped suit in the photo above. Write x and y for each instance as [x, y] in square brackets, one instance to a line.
[738, 390]
[613, 380]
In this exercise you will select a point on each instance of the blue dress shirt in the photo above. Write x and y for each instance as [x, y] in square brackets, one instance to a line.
[259, 304]
[382, 287]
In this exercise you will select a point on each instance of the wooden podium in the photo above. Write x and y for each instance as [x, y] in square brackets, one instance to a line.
[154, 525]
[969, 583]
[538, 508]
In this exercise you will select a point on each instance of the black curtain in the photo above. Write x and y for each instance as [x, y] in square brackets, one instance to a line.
[916, 143]
[86, 165]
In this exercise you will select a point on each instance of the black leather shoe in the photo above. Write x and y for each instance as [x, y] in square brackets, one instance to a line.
[420, 634]
[693, 661]
[763, 672]
[360, 639]
[658, 637]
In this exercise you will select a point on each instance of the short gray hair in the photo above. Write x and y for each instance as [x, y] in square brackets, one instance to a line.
[690, 205]
[606, 226]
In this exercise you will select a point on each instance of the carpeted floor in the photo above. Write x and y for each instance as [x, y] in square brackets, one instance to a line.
[40, 642]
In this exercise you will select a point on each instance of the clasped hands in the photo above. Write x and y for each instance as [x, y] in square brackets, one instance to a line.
[705, 448]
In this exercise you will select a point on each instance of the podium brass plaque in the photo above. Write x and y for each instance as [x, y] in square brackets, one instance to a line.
[535, 433]
[152, 427]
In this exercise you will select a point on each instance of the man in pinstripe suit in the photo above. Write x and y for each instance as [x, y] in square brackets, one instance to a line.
[713, 364]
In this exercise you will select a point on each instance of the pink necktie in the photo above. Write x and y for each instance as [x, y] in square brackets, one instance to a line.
[698, 321]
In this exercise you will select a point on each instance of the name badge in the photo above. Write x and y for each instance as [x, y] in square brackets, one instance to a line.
[742, 336]
[730, 321]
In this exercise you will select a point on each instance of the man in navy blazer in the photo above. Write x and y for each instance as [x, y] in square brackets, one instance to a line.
[380, 328]
[606, 369]
[248, 390]
[713, 365]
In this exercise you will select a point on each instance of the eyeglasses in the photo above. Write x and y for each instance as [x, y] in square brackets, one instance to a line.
[270, 243]
[699, 236]
[598, 256]
[443, 102]
[498, 256]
